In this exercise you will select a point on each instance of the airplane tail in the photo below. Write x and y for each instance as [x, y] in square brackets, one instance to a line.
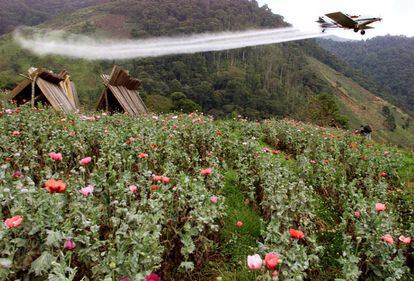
[321, 20]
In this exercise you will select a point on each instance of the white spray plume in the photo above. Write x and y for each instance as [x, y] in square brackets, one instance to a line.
[43, 42]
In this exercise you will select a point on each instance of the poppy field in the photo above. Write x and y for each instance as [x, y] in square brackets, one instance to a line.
[186, 197]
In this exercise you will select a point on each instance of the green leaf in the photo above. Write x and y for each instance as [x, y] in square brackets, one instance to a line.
[54, 238]
[6, 263]
[187, 266]
[42, 264]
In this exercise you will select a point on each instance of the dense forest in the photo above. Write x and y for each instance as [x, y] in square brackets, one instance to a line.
[255, 82]
[14, 13]
[387, 60]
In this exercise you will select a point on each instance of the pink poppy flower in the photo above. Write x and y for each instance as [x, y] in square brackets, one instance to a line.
[165, 180]
[156, 179]
[56, 156]
[69, 245]
[387, 239]
[16, 133]
[214, 199]
[86, 191]
[239, 224]
[17, 174]
[85, 161]
[13, 222]
[254, 262]
[404, 240]
[206, 172]
[274, 274]
[357, 214]
[133, 188]
[380, 207]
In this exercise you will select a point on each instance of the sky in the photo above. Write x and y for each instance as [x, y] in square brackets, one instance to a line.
[398, 15]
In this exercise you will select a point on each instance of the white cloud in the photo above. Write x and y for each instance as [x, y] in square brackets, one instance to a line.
[397, 14]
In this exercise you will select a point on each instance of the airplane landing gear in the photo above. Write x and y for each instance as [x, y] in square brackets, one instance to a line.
[362, 32]
[356, 29]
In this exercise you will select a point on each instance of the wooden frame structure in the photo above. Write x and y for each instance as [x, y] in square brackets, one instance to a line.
[46, 87]
[121, 93]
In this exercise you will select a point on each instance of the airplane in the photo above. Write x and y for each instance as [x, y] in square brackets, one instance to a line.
[341, 20]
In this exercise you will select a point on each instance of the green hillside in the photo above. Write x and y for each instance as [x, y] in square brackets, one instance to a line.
[261, 82]
[387, 60]
[363, 107]
[32, 12]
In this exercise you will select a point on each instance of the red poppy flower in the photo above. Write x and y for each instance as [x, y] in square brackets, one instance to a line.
[275, 152]
[142, 155]
[271, 260]
[13, 222]
[297, 234]
[55, 186]
[206, 172]
[154, 187]
[239, 224]
[152, 277]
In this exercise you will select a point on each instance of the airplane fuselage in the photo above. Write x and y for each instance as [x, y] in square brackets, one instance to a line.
[356, 23]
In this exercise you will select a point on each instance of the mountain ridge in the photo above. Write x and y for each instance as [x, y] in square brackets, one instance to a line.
[259, 82]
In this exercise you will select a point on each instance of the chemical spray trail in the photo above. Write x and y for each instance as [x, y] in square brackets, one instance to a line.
[77, 46]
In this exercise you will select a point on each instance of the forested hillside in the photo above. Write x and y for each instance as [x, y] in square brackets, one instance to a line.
[260, 82]
[388, 60]
[14, 13]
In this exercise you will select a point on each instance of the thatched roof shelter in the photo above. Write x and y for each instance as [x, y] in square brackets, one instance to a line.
[121, 93]
[46, 87]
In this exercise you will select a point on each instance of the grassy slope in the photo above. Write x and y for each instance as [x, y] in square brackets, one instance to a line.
[92, 20]
[363, 107]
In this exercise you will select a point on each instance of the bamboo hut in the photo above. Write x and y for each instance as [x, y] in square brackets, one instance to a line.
[46, 87]
[121, 93]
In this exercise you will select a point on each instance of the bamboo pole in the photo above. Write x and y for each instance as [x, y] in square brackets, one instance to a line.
[32, 100]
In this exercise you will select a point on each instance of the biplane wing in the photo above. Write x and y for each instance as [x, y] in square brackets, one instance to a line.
[342, 20]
